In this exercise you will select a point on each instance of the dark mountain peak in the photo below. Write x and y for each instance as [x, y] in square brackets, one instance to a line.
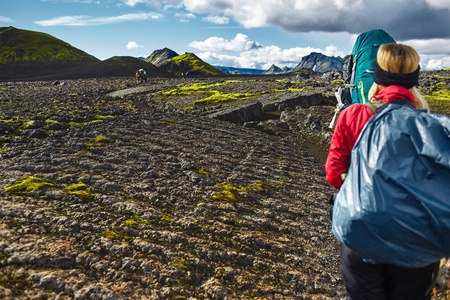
[160, 56]
[273, 70]
[319, 62]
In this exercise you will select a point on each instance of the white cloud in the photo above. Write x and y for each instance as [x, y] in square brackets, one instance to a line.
[435, 64]
[431, 46]
[133, 45]
[434, 53]
[240, 43]
[248, 56]
[223, 59]
[440, 4]
[217, 20]
[185, 18]
[90, 21]
[251, 54]
[188, 16]
[6, 20]
[333, 51]
[133, 3]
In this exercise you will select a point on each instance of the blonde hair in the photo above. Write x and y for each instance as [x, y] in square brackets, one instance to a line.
[400, 59]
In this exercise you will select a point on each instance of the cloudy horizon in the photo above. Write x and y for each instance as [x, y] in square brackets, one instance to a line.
[236, 33]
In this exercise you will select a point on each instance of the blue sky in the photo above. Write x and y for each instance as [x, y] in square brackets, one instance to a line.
[235, 33]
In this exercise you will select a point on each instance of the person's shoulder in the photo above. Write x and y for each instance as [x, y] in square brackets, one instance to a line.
[355, 113]
[355, 109]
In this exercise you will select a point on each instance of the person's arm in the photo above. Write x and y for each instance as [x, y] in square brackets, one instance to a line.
[348, 127]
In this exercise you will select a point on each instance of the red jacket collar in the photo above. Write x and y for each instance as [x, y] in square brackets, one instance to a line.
[394, 92]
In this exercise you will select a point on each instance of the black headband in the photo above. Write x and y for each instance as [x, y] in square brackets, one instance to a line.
[386, 78]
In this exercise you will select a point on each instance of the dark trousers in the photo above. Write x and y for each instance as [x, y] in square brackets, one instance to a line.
[366, 281]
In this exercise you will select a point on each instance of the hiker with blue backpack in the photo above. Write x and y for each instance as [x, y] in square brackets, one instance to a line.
[353, 118]
[390, 160]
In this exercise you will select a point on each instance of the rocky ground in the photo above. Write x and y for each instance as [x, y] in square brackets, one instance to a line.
[114, 191]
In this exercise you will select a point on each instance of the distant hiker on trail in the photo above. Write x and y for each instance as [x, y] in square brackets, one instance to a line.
[141, 76]
[396, 75]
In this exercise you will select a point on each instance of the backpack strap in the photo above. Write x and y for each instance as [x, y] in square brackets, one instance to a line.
[378, 106]
[375, 106]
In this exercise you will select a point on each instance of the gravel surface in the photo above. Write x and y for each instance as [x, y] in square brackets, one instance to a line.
[133, 196]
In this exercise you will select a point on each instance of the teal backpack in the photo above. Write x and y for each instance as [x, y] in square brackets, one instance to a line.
[357, 69]
[364, 54]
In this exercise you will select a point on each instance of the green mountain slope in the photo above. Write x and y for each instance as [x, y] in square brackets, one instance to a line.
[30, 55]
[27, 48]
[190, 63]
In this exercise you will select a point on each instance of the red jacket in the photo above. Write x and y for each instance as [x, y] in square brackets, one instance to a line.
[350, 123]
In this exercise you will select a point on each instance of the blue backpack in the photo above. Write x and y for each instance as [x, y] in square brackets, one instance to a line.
[394, 205]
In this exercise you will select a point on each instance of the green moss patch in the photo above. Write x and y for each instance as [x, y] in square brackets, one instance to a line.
[102, 139]
[439, 99]
[110, 234]
[210, 95]
[180, 264]
[136, 221]
[232, 194]
[202, 171]
[27, 125]
[81, 190]
[99, 141]
[26, 185]
[217, 97]
[440, 94]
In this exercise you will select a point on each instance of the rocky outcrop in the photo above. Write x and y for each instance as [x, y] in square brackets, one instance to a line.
[246, 113]
[291, 114]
